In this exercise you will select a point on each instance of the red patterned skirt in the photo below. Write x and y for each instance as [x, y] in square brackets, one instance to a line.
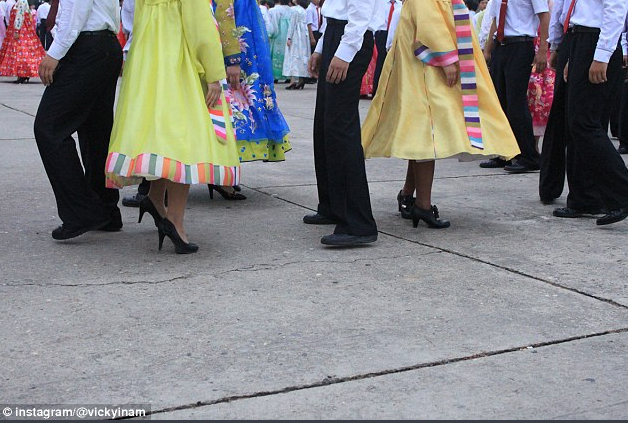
[21, 57]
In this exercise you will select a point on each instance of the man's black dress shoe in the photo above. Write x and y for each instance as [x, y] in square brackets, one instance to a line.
[347, 240]
[67, 232]
[517, 167]
[613, 216]
[133, 200]
[318, 219]
[115, 224]
[495, 163]
[568, 212]
[622, 149]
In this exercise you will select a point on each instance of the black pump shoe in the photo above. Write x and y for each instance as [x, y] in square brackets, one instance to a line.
[431, 217]
[405, 203]
[146, 205]
[166, 229]
[231, 196]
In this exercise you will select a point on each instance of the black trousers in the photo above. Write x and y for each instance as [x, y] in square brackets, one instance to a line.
[510, 71]
[615, 110]
[586, 102]
[81, 100]
[45, 36]
[623, 116]
[380, 42]
[343, 191]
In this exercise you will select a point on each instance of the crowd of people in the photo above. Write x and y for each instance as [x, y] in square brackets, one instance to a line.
[462, 79]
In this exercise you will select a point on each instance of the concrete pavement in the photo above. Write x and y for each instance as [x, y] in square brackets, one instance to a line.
[510, 313]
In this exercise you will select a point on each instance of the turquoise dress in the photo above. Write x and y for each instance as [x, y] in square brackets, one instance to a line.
[279, 17]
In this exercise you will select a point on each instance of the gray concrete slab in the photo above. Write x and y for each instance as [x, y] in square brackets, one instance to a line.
[555, 382]
[264, 306]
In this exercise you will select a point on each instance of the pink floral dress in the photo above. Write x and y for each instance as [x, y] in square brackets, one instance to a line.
[540, 96]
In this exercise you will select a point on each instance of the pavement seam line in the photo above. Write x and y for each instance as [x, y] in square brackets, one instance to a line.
[372, 375]
[87, 285]
[17, 110]
[488, 263]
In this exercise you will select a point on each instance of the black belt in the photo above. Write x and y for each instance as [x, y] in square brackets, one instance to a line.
[583, 29]
[514, 40]
[332, 21]
[101, 33]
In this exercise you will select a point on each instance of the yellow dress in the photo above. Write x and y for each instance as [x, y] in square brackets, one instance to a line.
[162, 127]
[414, 115]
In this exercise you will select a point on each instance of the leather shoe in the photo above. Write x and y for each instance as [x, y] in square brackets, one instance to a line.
[622, 149]
[115, 224]
[613, 216]
[67, 232]
[346, 240]
[495, 163]
[568, 212]
[318, 219]
[517, 167]
[133, 200]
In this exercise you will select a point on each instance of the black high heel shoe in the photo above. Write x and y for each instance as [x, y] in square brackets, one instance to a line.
[166, 229]
[299, 86]
[21, 80]
[430, 217]
[405, 204]
[146, 205]
[292, 86]
[231, 196]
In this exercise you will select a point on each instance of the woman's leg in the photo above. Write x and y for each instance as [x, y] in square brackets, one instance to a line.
[423, 178]
[409, 186]
[177, 200]
[157, 195]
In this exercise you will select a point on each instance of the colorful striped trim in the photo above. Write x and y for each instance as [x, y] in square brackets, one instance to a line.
[120, 167]
[218, 118]
[433, 58]
[468, 76]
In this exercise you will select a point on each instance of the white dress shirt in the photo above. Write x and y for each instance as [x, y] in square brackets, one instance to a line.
[8, 6]
[42, 12]
[312, 13]
[83, 15]
[609, 15]
[521, 16]
[394, 22]
[624, 38]
[384, 11]
[487, 21]
[557, 18]
[127, 15]
[361, 16]
[264, 11]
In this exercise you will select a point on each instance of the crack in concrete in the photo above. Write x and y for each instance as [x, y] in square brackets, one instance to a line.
[86, 285]
[478, 260]
[17, 110]
[569, 416]
[17, 139]
[269, 266]
[381, 181]
[330, 380]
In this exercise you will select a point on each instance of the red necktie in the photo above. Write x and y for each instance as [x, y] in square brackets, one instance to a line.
[392, 10]
[52, 15]
[502, 21]
[569, 13]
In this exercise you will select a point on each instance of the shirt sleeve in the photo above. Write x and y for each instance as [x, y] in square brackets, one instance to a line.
[127, 15]
[203, 40]
[75, 15]
[394, 22]
[540, 6]
[360, 13]
[613, 23]
[556, 31]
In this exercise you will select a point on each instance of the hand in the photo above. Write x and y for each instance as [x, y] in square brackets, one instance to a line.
[625, 61]
[566, 72]
[47, 68]
[553, 60]
[597, 72]
[540, 61]
[16, 35]
[451, 73]
[487, 56]
[314, 65]
[289, 42]
[233, 76]
[313, 41]
[213, 94]
[338, 70]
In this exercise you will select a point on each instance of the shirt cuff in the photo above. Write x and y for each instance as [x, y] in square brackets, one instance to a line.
[602, 55]
[233, 60]
[57, 52]
[319, 46]
[346, 52]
